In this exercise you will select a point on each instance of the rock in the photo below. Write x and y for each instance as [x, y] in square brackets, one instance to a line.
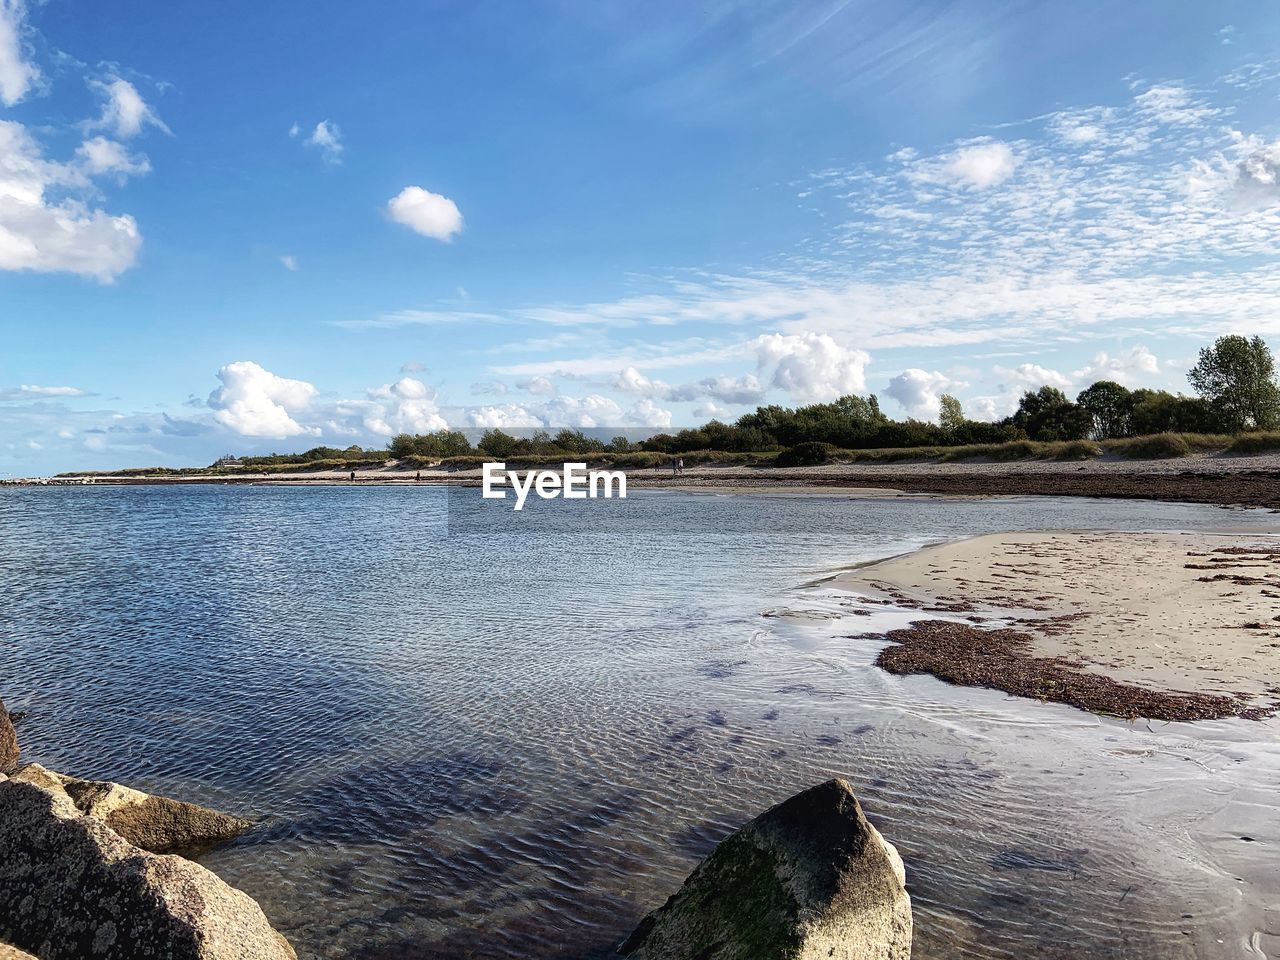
[808, 879]
[13, 953]
[8, 742]
[156, 824]
[72, 888]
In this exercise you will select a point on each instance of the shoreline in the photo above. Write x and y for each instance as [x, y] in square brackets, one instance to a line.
[1167, 626]
[1250, 481]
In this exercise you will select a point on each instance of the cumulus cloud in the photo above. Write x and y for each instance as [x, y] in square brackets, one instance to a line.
[326, 138]
[538, 386]
[507, 416]
[593, 410]
[1033, 376]
[711, 411]
[254, 402]
[426, 213]
[17, 74]
[919, 392]
[124, 111]
[1133, 365]
[289, 262]
[722, 387]
[810, 367]
[64, 235]
[406, 406]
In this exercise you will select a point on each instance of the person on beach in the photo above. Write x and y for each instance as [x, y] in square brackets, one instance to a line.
[680, 466]
[353, 476]
[418, 477]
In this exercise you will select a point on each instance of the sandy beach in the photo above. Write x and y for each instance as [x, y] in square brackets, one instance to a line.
[1184, 613]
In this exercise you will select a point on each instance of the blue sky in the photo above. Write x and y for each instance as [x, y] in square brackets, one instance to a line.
[253, 227]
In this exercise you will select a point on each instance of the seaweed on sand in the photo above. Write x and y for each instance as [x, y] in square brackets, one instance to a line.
[1002, 660]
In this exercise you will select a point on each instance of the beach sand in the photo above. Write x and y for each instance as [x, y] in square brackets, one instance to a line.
[1195, 613]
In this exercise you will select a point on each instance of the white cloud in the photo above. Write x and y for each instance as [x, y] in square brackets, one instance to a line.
[981, 165]
[1246, 176]
[17, 74]
[589, 411]
[919, 392]
[975, 164]
[646, 413]
[810, 367]
[504, 417]
[406, 406]
[65, 235]
[1135, 365]
[1173, 105]
[565, 411]
[326, 138]
[99, 156]
[31, 391]
[254, 402]
[124, 112]
[1033, 376]
[711, 411]
[426, 213]
[722, 387]
[538, 386]
[289, 262]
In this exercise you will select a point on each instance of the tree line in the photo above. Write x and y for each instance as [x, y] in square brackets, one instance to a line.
[1234, 381]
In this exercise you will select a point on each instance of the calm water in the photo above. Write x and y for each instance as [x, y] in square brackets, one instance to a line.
[473, 733]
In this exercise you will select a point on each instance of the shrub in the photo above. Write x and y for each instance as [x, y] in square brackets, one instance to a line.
[1159, 446]
[810, 454]
[1248, 443]
[1076, 450]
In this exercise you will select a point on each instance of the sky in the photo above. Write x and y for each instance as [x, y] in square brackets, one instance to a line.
[246, 227]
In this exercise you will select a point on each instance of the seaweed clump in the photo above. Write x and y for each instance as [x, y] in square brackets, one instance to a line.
[1003, 660]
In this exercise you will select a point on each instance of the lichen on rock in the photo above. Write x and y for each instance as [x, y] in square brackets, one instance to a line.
[807, 879]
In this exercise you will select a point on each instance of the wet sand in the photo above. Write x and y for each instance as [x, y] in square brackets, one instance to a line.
[1179, 613]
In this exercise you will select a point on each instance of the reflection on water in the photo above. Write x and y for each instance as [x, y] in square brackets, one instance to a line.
[474, 733]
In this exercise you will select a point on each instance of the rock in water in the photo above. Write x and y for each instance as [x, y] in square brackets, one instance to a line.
[73, 888]
[156, 824]
[808, 879]
[8, 742]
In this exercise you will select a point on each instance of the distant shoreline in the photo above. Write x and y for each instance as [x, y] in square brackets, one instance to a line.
[1252, 481]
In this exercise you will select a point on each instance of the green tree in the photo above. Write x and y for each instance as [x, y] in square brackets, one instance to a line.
[1047, 414]
[401, 445]
[1111, 407]
[950, 414]
[499, 444]
[1238, 376]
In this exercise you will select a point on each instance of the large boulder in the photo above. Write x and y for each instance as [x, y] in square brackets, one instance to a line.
[156, 824]
[8, 742]
[808, 879]
[13, 953]
[71, 888]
